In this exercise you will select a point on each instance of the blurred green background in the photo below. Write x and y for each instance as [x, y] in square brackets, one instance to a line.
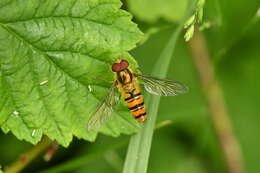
[189, 144]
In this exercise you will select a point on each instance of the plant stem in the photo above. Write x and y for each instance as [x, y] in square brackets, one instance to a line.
[216, 105]
[28, 156]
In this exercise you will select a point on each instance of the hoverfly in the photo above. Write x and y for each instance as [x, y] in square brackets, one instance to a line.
[127, 82]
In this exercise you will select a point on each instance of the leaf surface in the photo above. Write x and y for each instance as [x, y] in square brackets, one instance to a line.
[55, 60]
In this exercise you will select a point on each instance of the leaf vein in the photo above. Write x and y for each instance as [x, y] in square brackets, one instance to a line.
[46, 56]
[72, 18]
[9, 88]
[42, 98]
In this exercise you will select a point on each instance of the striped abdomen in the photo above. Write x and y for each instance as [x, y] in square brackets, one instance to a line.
[135, 103]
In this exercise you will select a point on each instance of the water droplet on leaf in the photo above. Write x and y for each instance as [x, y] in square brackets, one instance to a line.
[33, 132]
[43, 82]
[15, 113]
[89, 88]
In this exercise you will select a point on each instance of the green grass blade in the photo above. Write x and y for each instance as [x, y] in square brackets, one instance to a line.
[140, 144]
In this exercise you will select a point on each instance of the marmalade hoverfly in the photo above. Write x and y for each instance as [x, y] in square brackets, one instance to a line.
[127, 82]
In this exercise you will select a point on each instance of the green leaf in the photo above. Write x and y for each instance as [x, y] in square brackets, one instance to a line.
[152, 10]
[200, 4]
[205, 25]
[55, 58]
[189, 33]
[189, 22]
[196, 17]
[200, 15]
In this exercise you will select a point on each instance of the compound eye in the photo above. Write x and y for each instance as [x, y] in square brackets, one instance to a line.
[116, 67]
[124, 64]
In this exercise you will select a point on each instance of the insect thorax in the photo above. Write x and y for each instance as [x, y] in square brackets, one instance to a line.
[125, 77]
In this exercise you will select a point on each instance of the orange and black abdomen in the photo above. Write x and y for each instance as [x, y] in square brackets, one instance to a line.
[135, 102]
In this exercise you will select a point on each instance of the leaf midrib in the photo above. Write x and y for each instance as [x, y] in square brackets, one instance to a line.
[13, 33]
[9, 88]
[71, 18]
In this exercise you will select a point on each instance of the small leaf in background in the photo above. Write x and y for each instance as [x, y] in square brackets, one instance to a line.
[55, 59]
[200, 4]
[205, 25]
[200, 15]
[189, 22]
[196, 17]
[189, 33]
[153, 10]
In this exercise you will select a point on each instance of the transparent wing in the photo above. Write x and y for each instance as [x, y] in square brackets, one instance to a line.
[105, 110]
[162, 87]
